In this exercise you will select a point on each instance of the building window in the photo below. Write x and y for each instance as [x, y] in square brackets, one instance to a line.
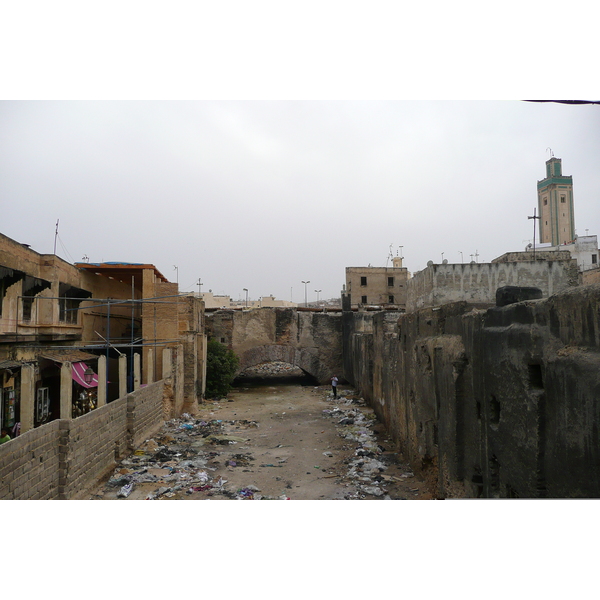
[68, 310]
[594, 259]
[27, 304]
[390, 282]
[363, 299]
[545, 201]
[562, 199]
[391, 299]
[363, 281]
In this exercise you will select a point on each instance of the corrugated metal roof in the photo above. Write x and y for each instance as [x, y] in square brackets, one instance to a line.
[69, 355]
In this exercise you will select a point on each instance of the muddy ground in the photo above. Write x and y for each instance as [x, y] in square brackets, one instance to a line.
[271, 442]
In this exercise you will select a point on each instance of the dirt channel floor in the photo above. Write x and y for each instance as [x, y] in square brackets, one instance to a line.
[272, 442]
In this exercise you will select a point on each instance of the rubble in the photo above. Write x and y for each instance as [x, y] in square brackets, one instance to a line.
[272, 369]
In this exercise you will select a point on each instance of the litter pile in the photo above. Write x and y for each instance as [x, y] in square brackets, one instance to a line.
[366, 468]
[177, 463]
[203, 458]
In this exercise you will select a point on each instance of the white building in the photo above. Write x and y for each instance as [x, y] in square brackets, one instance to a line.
[584, 249]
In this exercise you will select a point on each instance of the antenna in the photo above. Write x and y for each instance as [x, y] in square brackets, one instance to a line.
[551, 153]
[390, 255]
[55, 235]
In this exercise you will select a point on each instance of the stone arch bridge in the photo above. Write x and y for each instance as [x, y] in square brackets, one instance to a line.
[307, 339]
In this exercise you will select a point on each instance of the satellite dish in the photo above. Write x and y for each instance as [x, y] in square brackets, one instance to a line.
[445, 261]
[430, 263]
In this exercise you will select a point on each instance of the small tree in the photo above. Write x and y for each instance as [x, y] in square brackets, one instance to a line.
[221, 365]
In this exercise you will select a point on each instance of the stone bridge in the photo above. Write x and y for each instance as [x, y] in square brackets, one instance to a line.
[307, 339]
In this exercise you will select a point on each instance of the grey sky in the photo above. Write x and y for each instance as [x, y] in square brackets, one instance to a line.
[265, 194]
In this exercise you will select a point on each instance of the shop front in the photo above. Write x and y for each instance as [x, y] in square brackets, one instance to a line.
[10, 378]
[84, 381]
[85, 389]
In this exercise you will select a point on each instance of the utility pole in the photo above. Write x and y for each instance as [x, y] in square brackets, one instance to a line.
[534, 219]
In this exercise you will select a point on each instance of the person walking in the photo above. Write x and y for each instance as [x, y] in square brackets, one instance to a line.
[334, 382]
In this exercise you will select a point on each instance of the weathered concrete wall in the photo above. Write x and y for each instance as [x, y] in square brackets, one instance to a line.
[494, 403]
[309, 340]
[477, 283]
[65, 458]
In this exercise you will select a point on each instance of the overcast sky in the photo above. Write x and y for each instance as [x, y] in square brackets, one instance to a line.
[266, 194]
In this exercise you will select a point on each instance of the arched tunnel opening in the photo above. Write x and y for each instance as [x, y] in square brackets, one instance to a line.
[274, 372]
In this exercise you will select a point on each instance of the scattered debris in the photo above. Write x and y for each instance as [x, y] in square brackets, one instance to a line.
[181, 461]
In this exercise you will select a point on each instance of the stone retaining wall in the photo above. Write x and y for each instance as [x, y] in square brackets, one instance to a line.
[309, 340]
[500, 402]
[65, 458]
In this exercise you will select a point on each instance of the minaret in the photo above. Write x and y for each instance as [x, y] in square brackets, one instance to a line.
[555, 202]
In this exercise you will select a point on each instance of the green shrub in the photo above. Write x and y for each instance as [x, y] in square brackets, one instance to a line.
[221, 365]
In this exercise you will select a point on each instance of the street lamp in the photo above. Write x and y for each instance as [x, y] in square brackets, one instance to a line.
[88, 375]
[318, 292]
[305, 297]
[246, 290]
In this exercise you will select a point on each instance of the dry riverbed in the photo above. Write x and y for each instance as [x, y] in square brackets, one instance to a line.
[273, 442]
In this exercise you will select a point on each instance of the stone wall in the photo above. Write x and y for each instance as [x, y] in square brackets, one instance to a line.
[488, 403]
[94, 442]
[145, 412]
[307, 339]
[590, 277]
[477, 283]
[540, 255]
[29, 464]
[65, 458]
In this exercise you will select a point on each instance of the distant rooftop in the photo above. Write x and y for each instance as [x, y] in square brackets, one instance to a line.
[120, 270]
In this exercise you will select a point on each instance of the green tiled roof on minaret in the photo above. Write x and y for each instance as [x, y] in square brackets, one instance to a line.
[555, 202]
